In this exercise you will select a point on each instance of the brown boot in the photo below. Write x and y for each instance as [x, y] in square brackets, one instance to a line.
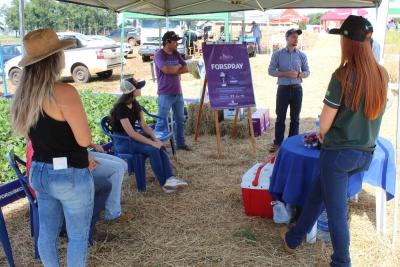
[274, 148]
[282, 234]
[125, 217]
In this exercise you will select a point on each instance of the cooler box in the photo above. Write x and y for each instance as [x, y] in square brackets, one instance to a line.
[257, 119]
[265, 113]
[255, 184]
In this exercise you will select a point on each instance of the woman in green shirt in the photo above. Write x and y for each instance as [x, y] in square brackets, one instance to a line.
[350, 122]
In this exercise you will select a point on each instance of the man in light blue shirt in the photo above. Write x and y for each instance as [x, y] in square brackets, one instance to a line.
[256, 31]
[290, 66]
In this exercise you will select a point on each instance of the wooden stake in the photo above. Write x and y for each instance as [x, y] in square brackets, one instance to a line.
[250, 121]
[219, 146]
[235, 122]
[200, 111]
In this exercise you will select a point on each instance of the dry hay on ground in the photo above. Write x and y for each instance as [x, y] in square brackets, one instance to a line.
[207, 126]
[205, 225]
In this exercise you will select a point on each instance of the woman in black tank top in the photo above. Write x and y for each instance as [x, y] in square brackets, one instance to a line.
[51, 115]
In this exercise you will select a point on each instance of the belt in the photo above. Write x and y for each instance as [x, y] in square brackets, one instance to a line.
[290, 86]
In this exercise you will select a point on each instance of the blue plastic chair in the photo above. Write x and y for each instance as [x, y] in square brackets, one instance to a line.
[136, 161]
[15, 162]
[5, 241]
[164, 135]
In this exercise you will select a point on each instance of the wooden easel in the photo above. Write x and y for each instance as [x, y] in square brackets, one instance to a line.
[218, 133]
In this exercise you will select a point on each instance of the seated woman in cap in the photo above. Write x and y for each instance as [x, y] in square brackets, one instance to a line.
[123, 116]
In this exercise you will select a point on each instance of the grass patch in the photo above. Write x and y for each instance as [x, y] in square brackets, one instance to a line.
[246, 234]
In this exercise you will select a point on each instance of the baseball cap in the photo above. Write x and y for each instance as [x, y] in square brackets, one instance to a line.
[355, 28]
[129, 85]
[289, 32]
[170, 36]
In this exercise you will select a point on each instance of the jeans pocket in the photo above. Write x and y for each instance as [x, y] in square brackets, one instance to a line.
[61, 181]
[35, 175]
[348, 160]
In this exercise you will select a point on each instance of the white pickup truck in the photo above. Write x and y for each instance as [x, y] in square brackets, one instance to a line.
[150, 40]
[87, 58]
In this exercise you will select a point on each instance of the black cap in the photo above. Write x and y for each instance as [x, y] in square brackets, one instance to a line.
[355, 28]
[170, 36]
[289, 32]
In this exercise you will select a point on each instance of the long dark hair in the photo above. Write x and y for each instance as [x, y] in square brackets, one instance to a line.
[125, 100]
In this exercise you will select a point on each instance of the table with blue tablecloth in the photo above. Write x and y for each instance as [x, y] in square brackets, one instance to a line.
[296, 167]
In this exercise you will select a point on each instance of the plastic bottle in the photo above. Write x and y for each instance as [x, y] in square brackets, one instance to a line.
[317, 124]
[323, 228]
[311, 237]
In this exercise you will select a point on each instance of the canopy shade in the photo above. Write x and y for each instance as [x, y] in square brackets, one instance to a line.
[187, 7]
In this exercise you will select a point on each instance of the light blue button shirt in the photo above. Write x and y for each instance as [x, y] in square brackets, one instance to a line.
[283, 60]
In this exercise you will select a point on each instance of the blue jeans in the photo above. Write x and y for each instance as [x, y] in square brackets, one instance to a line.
[286, 96]
[112, 169]
[63, 193]
[165, 103]
[258, 46]
[330, 189]
[159, 160]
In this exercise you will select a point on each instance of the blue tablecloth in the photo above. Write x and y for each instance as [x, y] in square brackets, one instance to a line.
[297, 166]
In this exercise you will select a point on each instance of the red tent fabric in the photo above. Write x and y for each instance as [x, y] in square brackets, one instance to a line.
[289, 16]
[342, 14]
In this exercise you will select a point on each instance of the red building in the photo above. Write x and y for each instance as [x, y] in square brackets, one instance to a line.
[335, 18]
[289, 16]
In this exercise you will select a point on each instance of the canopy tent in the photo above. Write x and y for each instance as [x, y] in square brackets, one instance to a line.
[187, 7]
[169, 8]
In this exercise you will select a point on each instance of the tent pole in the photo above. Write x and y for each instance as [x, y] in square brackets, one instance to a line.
[396, 197]
[121, 53]
[226, 27]
[21, 19]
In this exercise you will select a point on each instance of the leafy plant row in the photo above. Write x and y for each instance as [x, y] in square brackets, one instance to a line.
[96, 105]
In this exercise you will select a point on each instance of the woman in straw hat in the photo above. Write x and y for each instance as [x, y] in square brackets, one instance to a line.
[51, 115]
[350, 122]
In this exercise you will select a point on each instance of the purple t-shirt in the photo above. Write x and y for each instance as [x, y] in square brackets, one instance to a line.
[168, 84]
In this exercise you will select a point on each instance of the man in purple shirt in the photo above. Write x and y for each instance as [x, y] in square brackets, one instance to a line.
[169, 66]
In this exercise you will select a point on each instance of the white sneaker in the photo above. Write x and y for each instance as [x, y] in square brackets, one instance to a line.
[177, 182]
[168, 191]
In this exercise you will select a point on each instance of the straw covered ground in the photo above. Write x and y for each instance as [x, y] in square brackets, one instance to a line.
[205, 225]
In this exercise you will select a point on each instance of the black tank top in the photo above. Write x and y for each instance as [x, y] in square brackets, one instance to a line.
[52, 139]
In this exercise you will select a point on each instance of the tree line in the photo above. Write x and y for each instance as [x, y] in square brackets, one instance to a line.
[59, 16]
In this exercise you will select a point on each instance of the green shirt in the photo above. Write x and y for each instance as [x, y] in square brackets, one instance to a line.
[349, 129]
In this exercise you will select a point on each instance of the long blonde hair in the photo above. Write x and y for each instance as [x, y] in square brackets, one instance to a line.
[35, 88]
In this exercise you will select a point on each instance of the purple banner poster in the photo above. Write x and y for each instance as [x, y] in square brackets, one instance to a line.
[228, 76]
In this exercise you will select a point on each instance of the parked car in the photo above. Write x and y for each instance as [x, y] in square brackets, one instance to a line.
[81, 62]
[132, 35]
[10, 51]
[151, 40]
[126, 46]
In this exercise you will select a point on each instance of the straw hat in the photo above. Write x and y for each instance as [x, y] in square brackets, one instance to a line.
[40, 44]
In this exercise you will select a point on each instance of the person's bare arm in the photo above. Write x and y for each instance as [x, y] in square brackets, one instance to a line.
[328, 115]
[183, 69]
[171, 69]
[71, 107]
[126, 124]
[146, 127]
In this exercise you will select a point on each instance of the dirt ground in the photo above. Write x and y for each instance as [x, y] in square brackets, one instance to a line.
[205, 225]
